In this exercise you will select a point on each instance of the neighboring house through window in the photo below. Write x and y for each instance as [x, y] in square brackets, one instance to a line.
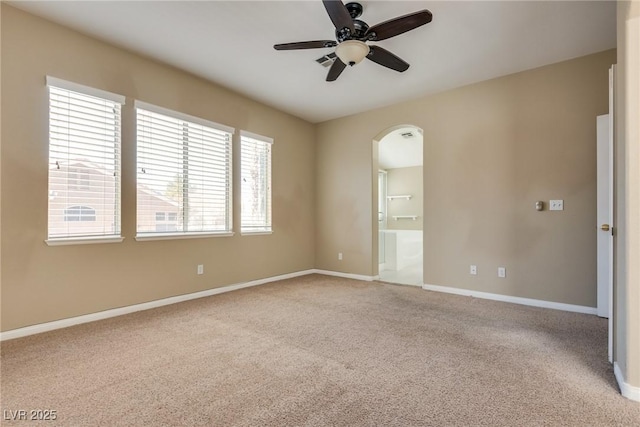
[79, 179]
[166, 221]
[80, 213]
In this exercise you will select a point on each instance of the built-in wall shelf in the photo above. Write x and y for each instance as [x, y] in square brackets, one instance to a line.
[403, 196]
[397, 217]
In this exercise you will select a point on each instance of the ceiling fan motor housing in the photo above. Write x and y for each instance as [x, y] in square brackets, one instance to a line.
[360, 27]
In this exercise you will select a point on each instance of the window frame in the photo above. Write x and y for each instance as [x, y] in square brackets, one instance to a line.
[173, 235]
[117, 237]
[269, 188]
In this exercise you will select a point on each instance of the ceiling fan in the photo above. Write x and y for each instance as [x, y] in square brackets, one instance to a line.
[352, 33]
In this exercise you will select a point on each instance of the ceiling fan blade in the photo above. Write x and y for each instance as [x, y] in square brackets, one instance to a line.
[315, 44]
[339, 14]
[336, 69]
[396, 26]
[386, 59]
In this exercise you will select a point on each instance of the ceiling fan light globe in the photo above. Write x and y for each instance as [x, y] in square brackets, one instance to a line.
[352, 52]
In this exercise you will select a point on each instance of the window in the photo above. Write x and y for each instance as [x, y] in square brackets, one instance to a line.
[79, 213]
[184, 171]
[255, 162]
[84, 163]
[166, 221]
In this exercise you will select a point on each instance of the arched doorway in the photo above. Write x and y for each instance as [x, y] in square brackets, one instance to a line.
[398, 233]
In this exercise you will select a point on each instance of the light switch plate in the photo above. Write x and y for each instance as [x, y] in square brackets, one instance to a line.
[556, 205]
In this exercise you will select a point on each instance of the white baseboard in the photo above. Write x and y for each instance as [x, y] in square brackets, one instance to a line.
[346, 275]
[410, 284]
[515, 300]
[627, 390]
[92, 317]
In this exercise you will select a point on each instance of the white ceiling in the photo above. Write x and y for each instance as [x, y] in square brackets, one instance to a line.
[231, 43]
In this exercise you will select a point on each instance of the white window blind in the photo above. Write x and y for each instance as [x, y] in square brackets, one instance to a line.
[84, 162]
[255, 163]
[184, 174]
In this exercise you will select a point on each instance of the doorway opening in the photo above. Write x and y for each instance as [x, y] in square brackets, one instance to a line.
[398, 160]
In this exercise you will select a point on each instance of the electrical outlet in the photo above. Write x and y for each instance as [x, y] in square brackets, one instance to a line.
[339, 256]
[473, 270]
[502, 272]
[556, 205]
[200, 269]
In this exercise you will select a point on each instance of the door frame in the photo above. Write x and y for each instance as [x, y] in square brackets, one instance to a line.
[375, 167]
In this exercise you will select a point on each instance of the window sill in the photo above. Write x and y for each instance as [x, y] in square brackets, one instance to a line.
[174, 236]
[83, 241]
[255, 233]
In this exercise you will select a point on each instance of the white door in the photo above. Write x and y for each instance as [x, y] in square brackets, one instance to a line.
[605, 238]
[605, 155]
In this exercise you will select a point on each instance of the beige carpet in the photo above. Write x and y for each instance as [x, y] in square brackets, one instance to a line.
[316, 351]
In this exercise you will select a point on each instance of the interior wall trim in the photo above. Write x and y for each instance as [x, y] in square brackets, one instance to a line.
[512, 299]
[626, 389]
[106, 314]
[92, 317]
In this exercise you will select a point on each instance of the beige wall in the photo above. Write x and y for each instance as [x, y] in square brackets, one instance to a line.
[405, 181]
[627, 195]
[41, 283]
[491, 150]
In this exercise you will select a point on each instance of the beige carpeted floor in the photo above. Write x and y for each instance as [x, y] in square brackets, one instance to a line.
[319, 351]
